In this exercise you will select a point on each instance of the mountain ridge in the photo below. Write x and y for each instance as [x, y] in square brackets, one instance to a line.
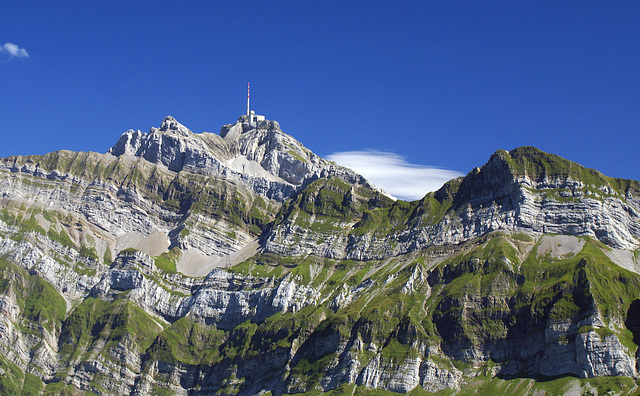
[270, 153]
[162, 267]
[490, 198]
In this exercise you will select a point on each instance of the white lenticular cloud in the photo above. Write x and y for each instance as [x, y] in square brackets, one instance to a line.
[14, 51]
[393, 173]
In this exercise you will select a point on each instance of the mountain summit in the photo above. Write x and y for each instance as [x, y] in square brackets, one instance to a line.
[259, 156]
[178, 263]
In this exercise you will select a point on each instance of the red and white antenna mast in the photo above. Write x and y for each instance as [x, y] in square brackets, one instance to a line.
[248, 102]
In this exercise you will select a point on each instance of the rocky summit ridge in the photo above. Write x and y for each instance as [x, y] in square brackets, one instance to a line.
[242, 263]
[259, 156]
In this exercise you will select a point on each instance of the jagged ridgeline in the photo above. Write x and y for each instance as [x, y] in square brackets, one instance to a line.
[242, 263]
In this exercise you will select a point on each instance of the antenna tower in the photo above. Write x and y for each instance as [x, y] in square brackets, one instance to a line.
[248, 102]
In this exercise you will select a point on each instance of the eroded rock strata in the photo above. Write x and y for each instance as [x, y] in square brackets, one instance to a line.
[242, 263]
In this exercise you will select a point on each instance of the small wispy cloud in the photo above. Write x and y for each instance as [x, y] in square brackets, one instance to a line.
[393, 173]
[13, 51]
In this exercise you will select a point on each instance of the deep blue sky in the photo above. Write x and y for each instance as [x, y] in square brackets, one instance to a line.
[442, 83]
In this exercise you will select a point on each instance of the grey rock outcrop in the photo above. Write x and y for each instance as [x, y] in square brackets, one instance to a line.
[312, 294]
[260, 157]
[220, 299]
[494, 197]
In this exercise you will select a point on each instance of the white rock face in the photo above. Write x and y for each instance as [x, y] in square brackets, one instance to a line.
[612, 221]
[588, 356]
[435, 378]
[113, 210]
[599, 357]
[517, 204]
[221, 299]
[262, 158]
[109, 216]
[13, 344]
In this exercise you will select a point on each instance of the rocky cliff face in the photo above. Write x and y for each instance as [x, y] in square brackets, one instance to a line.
[523, 191]
[260, 157]
[242, 263]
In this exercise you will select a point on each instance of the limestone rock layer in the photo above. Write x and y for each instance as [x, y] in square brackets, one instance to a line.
[242, 263]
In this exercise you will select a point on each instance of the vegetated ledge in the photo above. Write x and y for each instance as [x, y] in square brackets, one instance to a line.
[494, 310]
